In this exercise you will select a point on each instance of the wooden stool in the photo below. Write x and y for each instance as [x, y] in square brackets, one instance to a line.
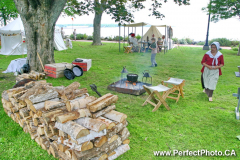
[154, 90]
[178, 83]
[128, 49]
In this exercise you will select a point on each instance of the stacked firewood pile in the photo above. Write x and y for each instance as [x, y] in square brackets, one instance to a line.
[32, 75]
[67, 122]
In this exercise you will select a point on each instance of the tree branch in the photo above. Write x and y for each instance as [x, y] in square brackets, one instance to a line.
[56, 8]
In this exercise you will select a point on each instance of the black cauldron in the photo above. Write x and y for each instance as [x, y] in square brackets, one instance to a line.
[132, 77]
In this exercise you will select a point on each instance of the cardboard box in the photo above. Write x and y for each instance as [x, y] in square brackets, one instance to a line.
[85, 65]
[56, 70]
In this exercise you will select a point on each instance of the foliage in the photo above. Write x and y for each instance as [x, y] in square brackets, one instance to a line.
[175, 40]
[138, 37]
[223, 9]
[189, 41]
[126, 38]
[79, 36]
[7, 11]
[235, 49]
[90, 38]
[110, 38]
[85, 36]
[193, 123]
[182, 41]
[201, 43]
[222, 41]
[234, 43]
[116, 38]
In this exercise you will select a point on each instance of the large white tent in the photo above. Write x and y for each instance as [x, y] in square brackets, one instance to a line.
[12, 39]
[151, 31]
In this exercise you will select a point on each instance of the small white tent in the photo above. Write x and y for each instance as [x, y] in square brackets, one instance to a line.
[152, 31]
[12, 42]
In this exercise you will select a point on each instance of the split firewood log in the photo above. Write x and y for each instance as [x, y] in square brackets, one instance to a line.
[73, 129]
[92, 124]
[53, 104]
[7, 104]
[45, 145]
[102, 156]
[41, 105]
[116, 116]
[62, 147]
[13, 91]
[124, 135]
[51, 115]
[113, 138]
[5, 95]
[119, 151]
[40, 131]
[79, 147]
[108, 122]
[79, 103]
[117, 129]
[102, 102]
[24, 112]
[99, 141]
[63, 155]
[73, 115]
[104, 111]
[53, 129]
[127, 141]
[89, 137]
[53, 150]
[74, 94]
[16, 96]
[62, 134]
[111, 153]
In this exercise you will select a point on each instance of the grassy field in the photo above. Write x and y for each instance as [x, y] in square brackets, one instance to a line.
[192, 124]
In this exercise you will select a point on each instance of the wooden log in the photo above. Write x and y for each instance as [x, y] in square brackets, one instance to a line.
[82, 147]
[95, 152]
[117, 129]
[89, 137]
[14, 110]
[92, 124]
[45, 145]
[126, 141]
[111, 153]
[49, 93]
[36, 121]
[63, 155]
[119, 151]
[69, 152]
[16, 96]
[53, 129]
[113, 138]
[62, 134]
[53, 150]
[53, 104]
[24, 112]
[40, 131]
[73, 115]
[47, 132]
[39, 106]
[79, 103]
[37, 140]
[98, 142]
[73, 129]
[71, 87]
[125, 135]
[102, 102]
[13, 91]
[25, 129]
[116, 116]
[74, 94]
[50, 115]
[62, 147]
[7, 104]
[104, 111]
[5, 95]
[103, 156]
[110, 124]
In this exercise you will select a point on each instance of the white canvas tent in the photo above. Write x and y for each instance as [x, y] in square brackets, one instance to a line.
[152, 31]
[12, 42]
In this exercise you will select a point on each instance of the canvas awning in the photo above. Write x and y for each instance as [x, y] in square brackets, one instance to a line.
[136, 24]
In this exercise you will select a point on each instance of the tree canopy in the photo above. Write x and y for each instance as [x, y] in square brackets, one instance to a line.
[7, 11]
[223, 9]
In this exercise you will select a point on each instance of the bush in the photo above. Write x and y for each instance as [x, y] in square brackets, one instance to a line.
[182, 41]
[189, 41]
[235, 49]
[222, 41]
[85, 36]
[126, 38]
[79, 36]
[201, 43]
[90, 38]
[110, 38]
[138, 37]
[116, 38]
[71, 37]
[175, 40]
[234, 43]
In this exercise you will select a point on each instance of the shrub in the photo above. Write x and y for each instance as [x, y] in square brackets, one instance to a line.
[71, 37]
[189, 41]
[90, 38]
[85, 36]
[116, 38]
[126, 38]
[79, 36]
[182, 41]
[175, 40]
[235, 49]
[138, 37]
[234, 43]
[201, 43]
[222, 41]
[110, 38]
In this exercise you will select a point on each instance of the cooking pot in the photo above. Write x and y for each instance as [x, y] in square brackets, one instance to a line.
[69, 74]
[132, 77]
[78, 71]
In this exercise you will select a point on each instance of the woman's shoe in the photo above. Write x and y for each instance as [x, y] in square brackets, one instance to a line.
[210, 99]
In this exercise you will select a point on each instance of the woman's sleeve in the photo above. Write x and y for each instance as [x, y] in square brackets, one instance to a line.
[221, 60]
[204, 59]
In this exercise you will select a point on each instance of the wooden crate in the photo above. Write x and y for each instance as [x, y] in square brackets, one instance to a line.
[56, 70]
[85, 65]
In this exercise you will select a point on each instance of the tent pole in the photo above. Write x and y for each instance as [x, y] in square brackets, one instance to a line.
[128, 34]
[165, 41]
[124, 37]
[119, 36]
[142, 35]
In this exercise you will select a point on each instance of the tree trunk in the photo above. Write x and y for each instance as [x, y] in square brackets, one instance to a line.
[97, 28]
[39, 19]
[238, 50]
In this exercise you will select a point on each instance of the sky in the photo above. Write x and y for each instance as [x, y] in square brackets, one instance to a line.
[186, 21]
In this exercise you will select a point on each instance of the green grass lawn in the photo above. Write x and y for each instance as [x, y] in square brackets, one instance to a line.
[192, 124]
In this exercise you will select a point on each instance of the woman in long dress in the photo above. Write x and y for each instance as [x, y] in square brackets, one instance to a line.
[212, 62]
